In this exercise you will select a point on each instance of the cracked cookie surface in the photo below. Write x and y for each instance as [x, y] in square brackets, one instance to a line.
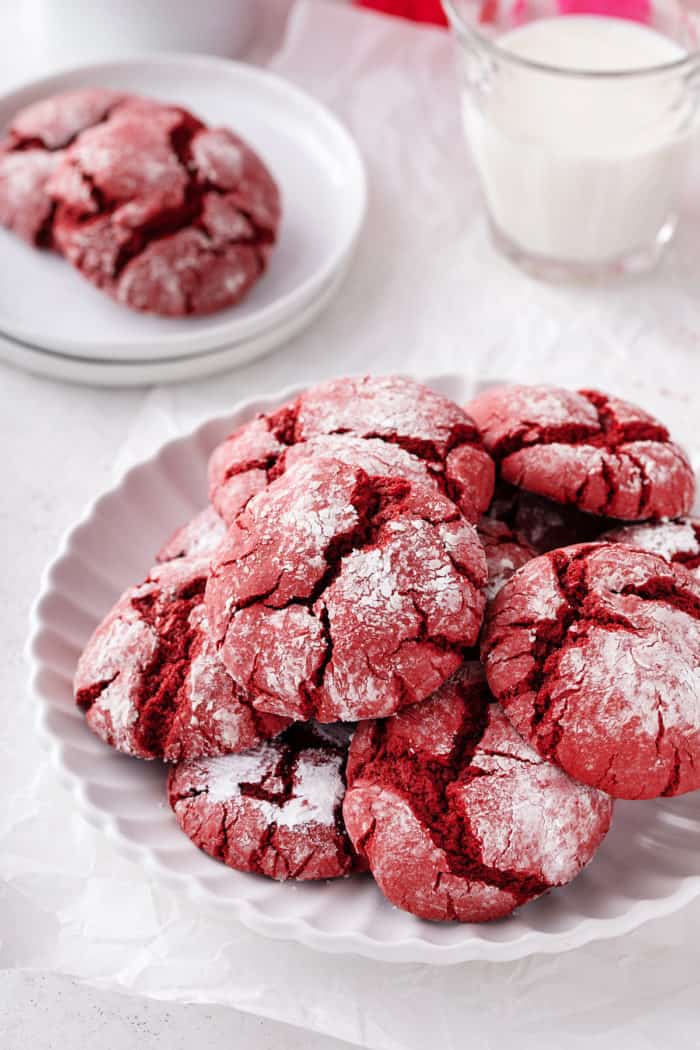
[594, 653]
[337, 595]
[429, 435]
[164, 214]
[275, 810]
[151, 682]
[32, 149]
[196, 538]
[603, 455]
[457, 817]
[506, 551]
[676, 541]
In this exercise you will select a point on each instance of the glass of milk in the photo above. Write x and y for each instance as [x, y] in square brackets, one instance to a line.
[580, 126]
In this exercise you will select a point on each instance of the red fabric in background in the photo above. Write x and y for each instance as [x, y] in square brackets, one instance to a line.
[431, 10]
[417, 10]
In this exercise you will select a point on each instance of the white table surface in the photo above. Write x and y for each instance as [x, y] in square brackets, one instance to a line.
[454, 306]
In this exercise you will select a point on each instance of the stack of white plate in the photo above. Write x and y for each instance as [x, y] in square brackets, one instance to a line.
[54, 322]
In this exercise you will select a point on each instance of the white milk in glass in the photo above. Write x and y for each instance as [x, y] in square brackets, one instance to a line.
[576, 168]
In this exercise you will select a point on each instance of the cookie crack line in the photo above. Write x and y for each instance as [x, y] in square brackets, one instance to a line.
[87, 697]
[424, 634]
[163, 691]
[376, 500]
[21, 143]
[554, 638]
[284, 426]
[428, 787]
[15, 144]
[608, 435]
[145, 649]
[646, 488]
[188, 214]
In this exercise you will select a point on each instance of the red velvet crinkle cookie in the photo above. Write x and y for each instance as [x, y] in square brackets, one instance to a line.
[150, 680]
[542, 523]
[601, 454]
[676, 541]
[391, 409]
[457, 817]
[505, 552]
[274, 810]
[594, 652]
[200, 536]
[31, 150]
[164, 214]
[333, 598]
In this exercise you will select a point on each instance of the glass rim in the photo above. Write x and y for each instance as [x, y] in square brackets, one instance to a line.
[463, 27]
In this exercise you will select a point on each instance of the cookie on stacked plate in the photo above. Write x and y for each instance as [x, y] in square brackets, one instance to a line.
[305, 652]
[163, 213]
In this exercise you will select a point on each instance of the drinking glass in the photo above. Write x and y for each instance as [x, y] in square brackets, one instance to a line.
[581, 168]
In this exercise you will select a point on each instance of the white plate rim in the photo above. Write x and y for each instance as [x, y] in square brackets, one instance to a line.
[88, 372]
[409, 949]
[284, 306]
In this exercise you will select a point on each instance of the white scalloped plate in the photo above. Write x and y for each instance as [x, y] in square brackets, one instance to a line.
[648, 866]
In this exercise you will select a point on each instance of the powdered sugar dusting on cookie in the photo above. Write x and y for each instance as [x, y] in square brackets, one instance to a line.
[152, 681]
[139, 219]
[222, 777]
[617, 672]
[327, 595]
[409, 580]
[597, 453]
[670, 539]
[389, 426]
[119, 654]
[487, 827]
[275, 810]
[318, 791]
[534, 817]
[505, 553]
[384, 405]
[200, 536]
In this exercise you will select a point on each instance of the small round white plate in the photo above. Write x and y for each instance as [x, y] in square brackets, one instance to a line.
[648, 866]
[47, 304]
[94, 372]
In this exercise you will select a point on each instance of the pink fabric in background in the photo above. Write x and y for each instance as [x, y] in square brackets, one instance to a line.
[416, 10]
[431, 10]
[638, 10]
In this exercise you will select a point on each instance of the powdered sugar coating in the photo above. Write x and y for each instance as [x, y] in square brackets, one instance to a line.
[151, 681]
[676, 541]
[600, 454]
[57, 120]
[25, 206]
[378, 459]
[458, 818]
[332, 598]
[393, 411]
[594, 652]
[116, 657]
[505, 552]
[197, 538]
[31, 151]
[142, 220]
[274, 810]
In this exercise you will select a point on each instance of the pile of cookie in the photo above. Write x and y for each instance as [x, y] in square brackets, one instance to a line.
[429, 642]
[160, 211]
